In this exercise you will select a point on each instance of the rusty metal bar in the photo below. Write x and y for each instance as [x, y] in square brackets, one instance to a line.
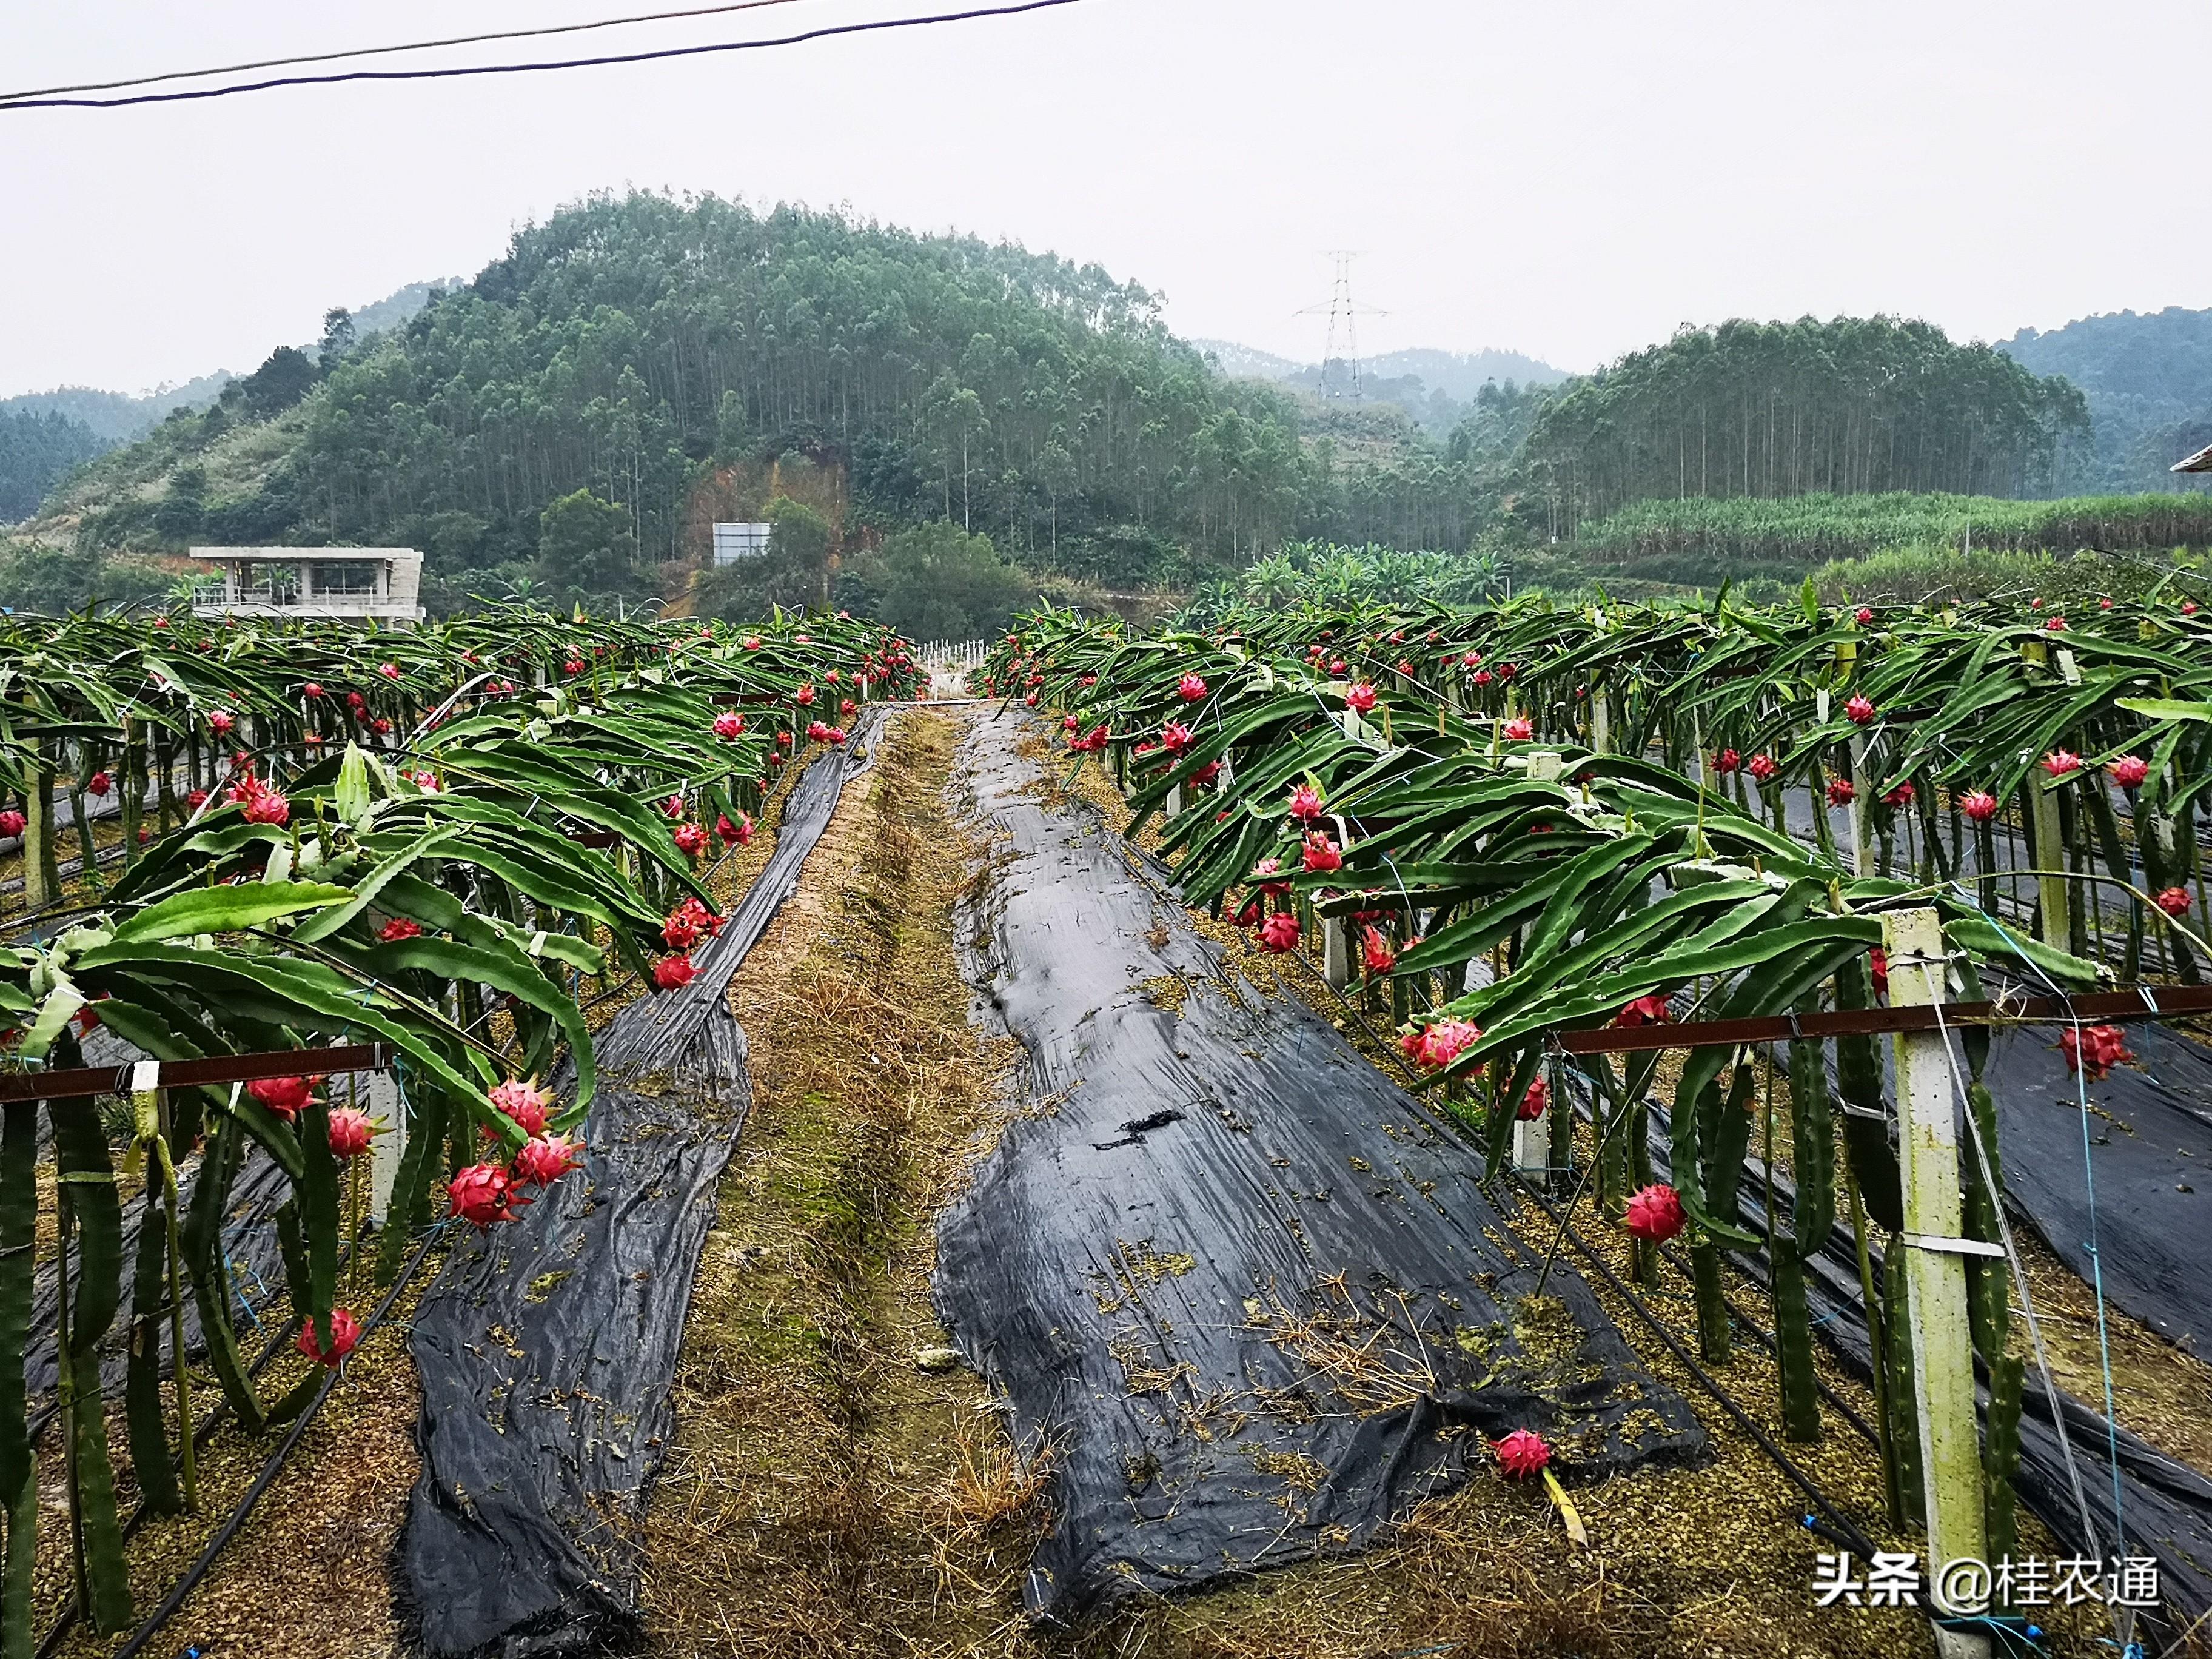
[192, 1073]
[2144, 1002]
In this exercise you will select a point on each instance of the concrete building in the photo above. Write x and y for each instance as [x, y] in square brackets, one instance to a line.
[734, 543]
[330, 584]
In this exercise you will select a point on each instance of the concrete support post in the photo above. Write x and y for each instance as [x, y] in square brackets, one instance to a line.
[1936, 1266]
[1861, 851]
[1532, 1145]
[388, 1113]
[2051, 858]
[1336, 951]
[1175, 802]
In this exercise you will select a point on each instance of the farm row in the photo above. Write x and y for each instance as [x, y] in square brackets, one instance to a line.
[1495, 825]
[432, 840]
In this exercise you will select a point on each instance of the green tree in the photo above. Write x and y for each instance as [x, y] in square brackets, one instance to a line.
[586, 548]
[937, 581]
[794, 571]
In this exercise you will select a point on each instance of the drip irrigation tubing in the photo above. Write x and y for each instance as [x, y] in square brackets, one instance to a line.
[237, 1518]
[1780, 1459]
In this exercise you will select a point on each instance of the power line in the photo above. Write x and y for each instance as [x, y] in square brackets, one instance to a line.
[377, 52]
[524, 69]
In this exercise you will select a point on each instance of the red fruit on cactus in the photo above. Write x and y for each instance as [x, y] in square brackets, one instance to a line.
[480, 1195]
[2062, 762]
[267, 806]
[752, 642]
[803, 696]
[1644, 1011]
[1903, 795]
[1270, 867]
[351, 1132]
[1859, 712]
[674, 973]
[1517, 731]
[2103, 605]
[728, 725]
[283, 1096]
[1280, 931]
[311, 689]
[12, 823]
[345, 1336]
[1482, 677]
[1533, 1103]
[1190, 687]
[835, 735]
[99, 784]
[1304, 804]
[1381, 958]
[572, 666]
[1321, 854]
[2189, 607]
[1878, 961]
[1978, 804]
[1360, 698]
[1443, 1043]
[543, 1159]
[1841, 792]
[382, 727]
[2129, 771]
[1656, 1214]
[2174, 900]
[690, 840]
[1762, 767]
[2094, 1050]
[388, 669]
[1069, 723]
[2056, 625]
[1862, 616]
[524, 1101]
[355, 701]
[219, 721]
[1175, 737]
[1726, 761]
[196, 800]
[399, 928]
[1521, 1454]
[1336, 665]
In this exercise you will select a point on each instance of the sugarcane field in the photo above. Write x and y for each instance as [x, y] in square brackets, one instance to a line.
[1094, 829]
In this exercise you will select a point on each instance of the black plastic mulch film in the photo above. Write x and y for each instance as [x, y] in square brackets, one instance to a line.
[548, 1346]
[1245, 1289]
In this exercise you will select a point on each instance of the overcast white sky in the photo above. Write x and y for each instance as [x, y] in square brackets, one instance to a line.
[1567, 180]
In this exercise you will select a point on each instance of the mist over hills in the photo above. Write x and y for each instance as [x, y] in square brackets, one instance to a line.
[2147, 377]
[1435, 388]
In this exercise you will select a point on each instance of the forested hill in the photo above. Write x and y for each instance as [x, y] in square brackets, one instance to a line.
[36, 452]
[641, 348]
[1851, 406]
[2148, 381]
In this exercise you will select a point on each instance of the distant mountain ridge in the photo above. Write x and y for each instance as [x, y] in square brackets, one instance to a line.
[2147, 377]
[1458, 374]
[118, 416]
[1436, 389]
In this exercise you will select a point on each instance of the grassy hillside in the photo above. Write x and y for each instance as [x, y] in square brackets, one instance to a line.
[1697, 543]
[634, 349]
[2147, 378]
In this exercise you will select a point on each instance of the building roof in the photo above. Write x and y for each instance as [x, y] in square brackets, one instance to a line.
[2200, 462]
[310, 555]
